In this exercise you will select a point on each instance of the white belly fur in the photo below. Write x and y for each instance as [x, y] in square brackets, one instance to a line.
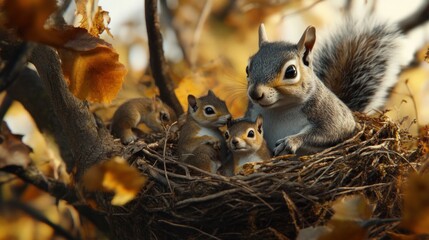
[280, 123]
[249, 158]
[209, 132]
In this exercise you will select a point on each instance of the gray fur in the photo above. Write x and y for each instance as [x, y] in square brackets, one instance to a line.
[269, 60]
[367, 53]
[352, 70]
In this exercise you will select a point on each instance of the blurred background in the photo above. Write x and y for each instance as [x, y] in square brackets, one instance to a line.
[207, 45]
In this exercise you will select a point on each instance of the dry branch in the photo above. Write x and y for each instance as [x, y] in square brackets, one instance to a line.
[158, 64]
[17, 62]
[415, 19]
[89, 142]
[60, 231]
[58, 190]
[28, 89]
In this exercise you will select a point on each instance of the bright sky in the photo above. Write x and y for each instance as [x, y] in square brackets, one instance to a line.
[121, 11]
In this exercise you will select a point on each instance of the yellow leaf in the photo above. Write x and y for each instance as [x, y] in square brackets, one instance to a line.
[117, 176]
[93, 17]
[350, 230]
[90, 65]
[416, 205]
[352, 208]
[312, 233]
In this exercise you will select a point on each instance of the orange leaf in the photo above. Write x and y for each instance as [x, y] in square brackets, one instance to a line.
[28, 17]
[91, 66]
[416, 205]
[95, 75]
[115, 175]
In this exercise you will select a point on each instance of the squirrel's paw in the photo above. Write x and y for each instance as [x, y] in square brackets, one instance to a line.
[287, 145]
[127, 139]
[215, 143]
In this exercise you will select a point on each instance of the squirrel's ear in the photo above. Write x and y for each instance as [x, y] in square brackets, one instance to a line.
[262, 34]
[259, 121]
[306, 43]
[192, 101]
[210, 93]
[228, 123]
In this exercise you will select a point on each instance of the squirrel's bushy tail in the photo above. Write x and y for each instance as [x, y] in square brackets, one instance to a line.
[360, 62]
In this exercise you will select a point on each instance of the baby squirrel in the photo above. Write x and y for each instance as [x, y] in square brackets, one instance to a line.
[307, 95]
[200, 141]
[150, 111]
[246, 142]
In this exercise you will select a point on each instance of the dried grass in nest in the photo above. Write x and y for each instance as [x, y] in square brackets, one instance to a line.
[280, 197]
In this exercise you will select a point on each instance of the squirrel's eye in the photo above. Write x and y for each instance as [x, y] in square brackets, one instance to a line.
[164, 117]
[247, 71]
[251, 134]
[290, 72]
[209, 110]
[226, 135]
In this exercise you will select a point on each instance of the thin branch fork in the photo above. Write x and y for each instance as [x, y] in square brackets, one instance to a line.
[58, 190]
[157, 60]
[415, 19]
[40, 217]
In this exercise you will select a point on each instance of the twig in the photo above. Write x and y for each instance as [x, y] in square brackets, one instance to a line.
[306, 8]
[415, 19]
[198, 29]
[40, 217]
[208, 197]
[292, 210]
[59, 190]
[163, 156]
[168, 16]
[15, 65]
[189, 227]
[412, 99]
[376, 221]
[158, 64]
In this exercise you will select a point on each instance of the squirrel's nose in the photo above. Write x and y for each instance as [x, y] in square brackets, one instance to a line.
[234, 141]
[256, 95]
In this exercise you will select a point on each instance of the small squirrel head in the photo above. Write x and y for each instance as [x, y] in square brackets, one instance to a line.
[159, 115]
[209, 110]
[280, 73]
[244, 137]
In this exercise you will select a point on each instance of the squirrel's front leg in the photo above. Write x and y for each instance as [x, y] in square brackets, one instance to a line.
[288, 144]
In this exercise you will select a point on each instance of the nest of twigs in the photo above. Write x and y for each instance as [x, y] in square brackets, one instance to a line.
[274, 201]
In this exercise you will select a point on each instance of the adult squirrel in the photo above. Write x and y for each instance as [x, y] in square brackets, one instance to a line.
[306, 95]
[200, 140]
[150, 111]
[245, 139]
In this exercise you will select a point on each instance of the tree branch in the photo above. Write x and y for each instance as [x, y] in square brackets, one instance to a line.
[58, 190]
[415, 19]
[29, 91]
[40, 217]
[158, 64]
[88, 142]
[15, 64]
